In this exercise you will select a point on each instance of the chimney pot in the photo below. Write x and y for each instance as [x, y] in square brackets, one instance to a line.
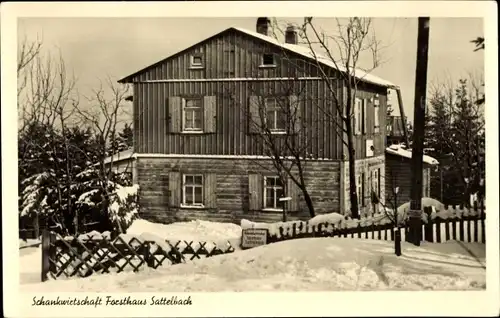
[291, 36]
[262, 26]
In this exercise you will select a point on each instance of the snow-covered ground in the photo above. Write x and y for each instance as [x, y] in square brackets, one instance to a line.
[195, 231]
[314, 264]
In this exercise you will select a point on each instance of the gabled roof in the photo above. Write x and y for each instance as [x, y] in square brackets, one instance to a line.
[298, 49]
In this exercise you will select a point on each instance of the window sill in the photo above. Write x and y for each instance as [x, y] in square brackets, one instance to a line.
[201, 67]
[278, 132]
[267, 66]
[272, 210]
[192, 131]
[192, 206]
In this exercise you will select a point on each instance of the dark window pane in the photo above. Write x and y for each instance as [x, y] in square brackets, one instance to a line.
[269, 198]
[198, 180]
[196, 59]
[198, 197]
[189, 179]
[189, 195]
[270, 119]
[268, 59]
[197, 119]
[281, 120]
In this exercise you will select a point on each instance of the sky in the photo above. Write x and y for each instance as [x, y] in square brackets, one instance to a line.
[95, 48]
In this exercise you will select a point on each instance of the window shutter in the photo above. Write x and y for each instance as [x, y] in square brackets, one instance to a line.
[295, 113]
[175, 114]
[293, 192]
[174, 188]
[255, 188]
[254, 120]
[376, 111]
[357, 116]
[210, 113]
[364, 115]
[210, 187]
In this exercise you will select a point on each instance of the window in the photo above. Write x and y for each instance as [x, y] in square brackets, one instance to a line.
[192, 114]
[268, 60]
[273, 190]
[275, 114]
[192, 189]
[196, 61]
[376, 118]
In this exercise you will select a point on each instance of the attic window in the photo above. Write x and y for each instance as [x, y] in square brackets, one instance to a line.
[268, 59]
[196, 61]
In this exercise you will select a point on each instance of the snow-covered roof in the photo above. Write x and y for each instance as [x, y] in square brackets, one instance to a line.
[400, 150]
[307, 52]
[120, 156]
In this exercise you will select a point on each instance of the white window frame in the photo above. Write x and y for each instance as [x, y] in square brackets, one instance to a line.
[196, 65]
[202, 186]
[267, 65]
[276, 110]
[277, 206]
[184, 107]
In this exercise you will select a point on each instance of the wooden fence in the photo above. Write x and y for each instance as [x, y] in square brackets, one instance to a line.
[68, 257]
[464, 228]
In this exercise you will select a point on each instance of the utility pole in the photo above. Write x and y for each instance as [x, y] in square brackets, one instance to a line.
[415, 212]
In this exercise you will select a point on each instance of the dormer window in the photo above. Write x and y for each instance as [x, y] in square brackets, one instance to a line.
[196, 61]
[268, 60]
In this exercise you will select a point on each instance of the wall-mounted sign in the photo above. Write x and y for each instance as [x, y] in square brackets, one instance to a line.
[253, 238]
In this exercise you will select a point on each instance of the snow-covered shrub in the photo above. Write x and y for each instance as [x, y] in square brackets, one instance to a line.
[123, 207]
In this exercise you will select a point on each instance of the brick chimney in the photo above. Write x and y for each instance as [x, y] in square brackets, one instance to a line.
[291, 36]
[263, 25]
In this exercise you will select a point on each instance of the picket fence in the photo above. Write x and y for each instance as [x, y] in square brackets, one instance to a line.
[69, 257]
[465, 228]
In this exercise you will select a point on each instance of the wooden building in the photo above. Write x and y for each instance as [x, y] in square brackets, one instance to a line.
[398, 174]
[196, 154]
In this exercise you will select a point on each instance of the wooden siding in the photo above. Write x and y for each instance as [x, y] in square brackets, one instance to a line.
[233, 55]
[398, 173]
[368, 92]
[230, 179]
[230, 55]
[231, 136]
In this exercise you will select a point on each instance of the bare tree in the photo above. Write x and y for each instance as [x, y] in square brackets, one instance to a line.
[274, 117]
[342, 50]
[103, 112]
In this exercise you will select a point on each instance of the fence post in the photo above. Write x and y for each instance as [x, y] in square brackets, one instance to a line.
[46, 243]
[428, 226]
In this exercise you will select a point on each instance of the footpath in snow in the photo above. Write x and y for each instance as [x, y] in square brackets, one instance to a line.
[313, 264]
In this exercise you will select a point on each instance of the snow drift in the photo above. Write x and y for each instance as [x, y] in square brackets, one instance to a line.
[313, 264]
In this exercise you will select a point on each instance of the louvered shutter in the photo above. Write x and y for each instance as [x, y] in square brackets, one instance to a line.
[255, 188]
[210, 193]
[174, 188]
[175, 114]
[209, 114]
